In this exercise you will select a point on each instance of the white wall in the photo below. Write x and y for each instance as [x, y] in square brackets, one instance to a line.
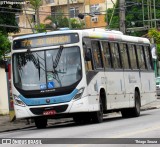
[4, 109]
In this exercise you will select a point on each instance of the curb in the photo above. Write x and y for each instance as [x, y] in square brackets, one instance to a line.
[9, 130]
[151, 108]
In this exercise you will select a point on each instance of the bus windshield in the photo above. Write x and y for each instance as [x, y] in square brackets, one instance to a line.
[48, 69]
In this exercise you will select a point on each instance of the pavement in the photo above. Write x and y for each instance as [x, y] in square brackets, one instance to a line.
[7, 125]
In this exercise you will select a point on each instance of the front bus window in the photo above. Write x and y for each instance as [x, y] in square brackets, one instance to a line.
[48, 69]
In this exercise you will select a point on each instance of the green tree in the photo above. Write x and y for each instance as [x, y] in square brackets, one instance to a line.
[7, 17]
[155, 34]
[57, 21]
[134, 15]
[75, 24]
[39, 27]
[60, 21]
[5, 46]
[35, 4]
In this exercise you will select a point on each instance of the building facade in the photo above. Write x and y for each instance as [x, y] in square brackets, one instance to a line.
[97, 7]
[94, 10]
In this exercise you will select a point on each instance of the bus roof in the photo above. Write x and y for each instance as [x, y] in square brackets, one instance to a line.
[110, 35]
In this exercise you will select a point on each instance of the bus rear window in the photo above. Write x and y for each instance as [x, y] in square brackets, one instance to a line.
[44, 41]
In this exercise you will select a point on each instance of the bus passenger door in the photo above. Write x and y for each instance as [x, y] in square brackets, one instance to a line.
[98, 81]
[94, 70]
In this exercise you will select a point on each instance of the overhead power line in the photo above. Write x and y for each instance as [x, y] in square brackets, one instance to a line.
[10, 26]
[31, 10]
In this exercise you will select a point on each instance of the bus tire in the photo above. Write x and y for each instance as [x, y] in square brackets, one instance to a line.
[40, 123]
[97, 117]
[136, 109]
[125, 113]
[132, 112]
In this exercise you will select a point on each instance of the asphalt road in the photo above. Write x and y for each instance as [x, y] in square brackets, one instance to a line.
[146, 126]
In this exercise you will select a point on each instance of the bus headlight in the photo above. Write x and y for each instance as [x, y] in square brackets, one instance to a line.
[79, 94]
[18, 101]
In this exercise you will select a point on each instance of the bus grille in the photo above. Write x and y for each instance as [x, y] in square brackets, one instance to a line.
[58, 109]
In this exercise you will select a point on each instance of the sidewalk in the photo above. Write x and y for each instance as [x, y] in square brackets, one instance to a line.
[6, 125]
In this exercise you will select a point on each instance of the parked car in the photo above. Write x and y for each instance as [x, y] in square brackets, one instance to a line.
[158, 85]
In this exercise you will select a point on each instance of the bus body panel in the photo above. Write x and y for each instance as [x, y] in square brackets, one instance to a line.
[116, 90]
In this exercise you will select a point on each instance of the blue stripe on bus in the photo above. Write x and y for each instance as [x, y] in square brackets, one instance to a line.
[53, 100]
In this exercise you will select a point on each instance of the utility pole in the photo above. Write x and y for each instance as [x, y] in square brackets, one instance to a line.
[154, 5]
[122, 25]
[68, 7]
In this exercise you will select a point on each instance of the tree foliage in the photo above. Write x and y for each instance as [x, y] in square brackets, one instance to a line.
[134, 16]
[40, 28]
[7, 17]
[75, 24]
[60, 21]
[5, 46]
[155, 34]
[36, 4]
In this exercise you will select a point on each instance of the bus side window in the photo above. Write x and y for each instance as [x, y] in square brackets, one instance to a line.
[107, 55]
[87, 54]
[132, 54]
[148, 57]
[115, 55]
[141, 58]
[124, 55]
[97, 56]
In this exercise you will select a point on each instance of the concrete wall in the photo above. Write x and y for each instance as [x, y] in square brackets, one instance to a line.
[4, 109]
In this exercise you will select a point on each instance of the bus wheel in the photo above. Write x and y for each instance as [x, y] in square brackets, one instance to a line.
[126, 113]
[40, 123]
[133, 112]
[136, 109]
[97, 117]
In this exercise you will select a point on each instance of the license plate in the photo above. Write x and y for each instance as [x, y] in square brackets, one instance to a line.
[49, 112]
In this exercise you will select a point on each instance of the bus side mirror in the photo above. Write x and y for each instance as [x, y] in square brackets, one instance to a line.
[88, 55]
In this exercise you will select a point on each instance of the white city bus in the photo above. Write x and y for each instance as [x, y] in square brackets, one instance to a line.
[81, 74]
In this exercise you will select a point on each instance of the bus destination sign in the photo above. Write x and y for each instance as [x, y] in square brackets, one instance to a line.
[44, 41]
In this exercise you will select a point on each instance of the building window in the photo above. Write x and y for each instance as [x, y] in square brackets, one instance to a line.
[94, 8]
[74, 12]
[49, 1]
[17, 18]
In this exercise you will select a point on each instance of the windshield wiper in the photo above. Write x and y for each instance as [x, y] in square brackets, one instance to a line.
[55, 64]
[58, 56]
